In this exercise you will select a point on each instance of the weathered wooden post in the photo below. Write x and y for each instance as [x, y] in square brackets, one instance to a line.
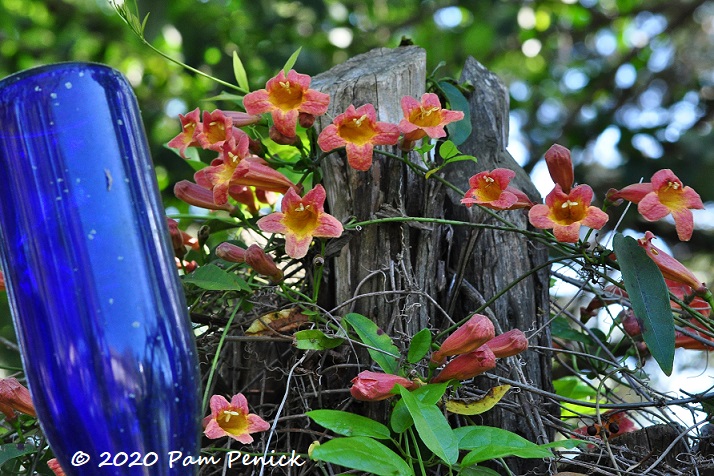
[487, 262]
[407, 277]
[392, 266]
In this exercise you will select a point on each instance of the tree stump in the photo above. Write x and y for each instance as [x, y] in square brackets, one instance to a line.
[657, 447]
[406, 277]
[390, 266]
[488, 261]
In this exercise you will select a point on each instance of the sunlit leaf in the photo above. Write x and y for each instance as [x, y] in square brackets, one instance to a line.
[291, 61]
[430, 394]
[213, 278]
[448, 150]
[382, 350]
[419, 346]
[432, 427]
[315, 339]
[486, 443]
[649, 297]
[575, 389]
[362, 454]
[478, 471]
[282, 321]
[349, 424]
[239, 73]
[224, 96]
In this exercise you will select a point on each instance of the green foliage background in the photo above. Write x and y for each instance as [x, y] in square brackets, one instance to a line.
[569, 88]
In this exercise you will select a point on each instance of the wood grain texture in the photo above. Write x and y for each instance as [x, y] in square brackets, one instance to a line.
[486, 262]
[409, 277]
[385, 258]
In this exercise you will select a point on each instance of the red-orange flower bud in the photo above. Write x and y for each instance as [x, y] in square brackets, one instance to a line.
[508, 344]
[280, 138]
[473, 334]
[630, 323]
[198, 196]
[15, 397]
[468, 365]
[242, 119]
[230, 252]
[54, 465]
[306, 120]
[372, 386]
[560, 166]
[180, 239]
[263, 264]
[669, 266]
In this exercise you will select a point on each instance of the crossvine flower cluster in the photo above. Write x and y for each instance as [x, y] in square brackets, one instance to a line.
[244, 176]
[240, 173]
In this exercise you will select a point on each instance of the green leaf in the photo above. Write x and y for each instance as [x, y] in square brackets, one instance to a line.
[213, 278]
[432, 172]
[567, 444]
[315, 339]
[14, 450]
[239, 72]
[429, 394]
[419, 346]
[291, 61]
[459, 131]
[487, 443]
[362, 454]
[478, 471]
[450, 153]
[143, 24]
[574, 388]
[649, 296]
[388, 353]
[448, 150]
[224, 96]
[560, 327]
[432, 427]
[349, 424]
[424, 148]
[459, 158]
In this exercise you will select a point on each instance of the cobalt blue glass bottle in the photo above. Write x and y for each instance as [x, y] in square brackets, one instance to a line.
[100, 316]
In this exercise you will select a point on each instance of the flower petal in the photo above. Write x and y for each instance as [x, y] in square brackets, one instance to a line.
[683, 223]
[328, 227]
[539, 216]
[296, 247]
[257, 102]
[387, 134]
[239, 401]
[285, 121]
[213, 430]
[217, 404]
[568, 233]
[315, 102]
[329, 139]
[256, 424]
[272, 223]
[651, 208]
[315, 197]
[595, 218]
[360, 157]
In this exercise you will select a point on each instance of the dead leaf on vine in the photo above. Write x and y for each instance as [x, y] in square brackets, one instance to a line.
[277, 322]
[478, 405]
